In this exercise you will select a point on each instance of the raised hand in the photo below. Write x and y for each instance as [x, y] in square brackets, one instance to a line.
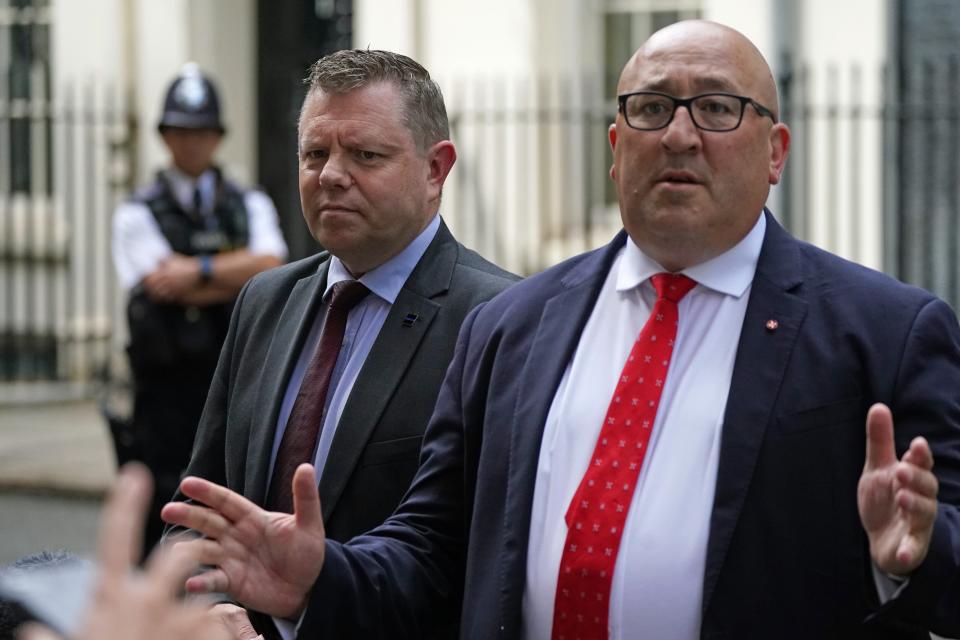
[267, 561]
[127, 604]
[897, 498]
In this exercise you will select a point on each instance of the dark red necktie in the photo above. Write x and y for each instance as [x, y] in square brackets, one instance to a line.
[306, 418]
[598, 511]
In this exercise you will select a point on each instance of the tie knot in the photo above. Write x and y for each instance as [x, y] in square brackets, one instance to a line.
[345, 295]
[672, 286]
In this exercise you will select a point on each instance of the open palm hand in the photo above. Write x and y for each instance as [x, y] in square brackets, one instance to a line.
[265, 560]
[897, 499]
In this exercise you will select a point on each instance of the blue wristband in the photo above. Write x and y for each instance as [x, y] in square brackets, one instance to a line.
[206, 268]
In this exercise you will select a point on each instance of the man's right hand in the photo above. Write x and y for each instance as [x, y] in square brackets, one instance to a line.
[266, 561]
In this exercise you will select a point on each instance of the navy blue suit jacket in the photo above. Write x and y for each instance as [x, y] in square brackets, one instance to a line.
[787, 556]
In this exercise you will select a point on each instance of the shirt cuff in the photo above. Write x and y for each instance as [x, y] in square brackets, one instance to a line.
[287, 628]
[888, 587]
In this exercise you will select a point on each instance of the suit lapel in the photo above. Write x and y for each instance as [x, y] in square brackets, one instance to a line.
[292, 329]
[557, 335]
[762, 358]
[386, 364]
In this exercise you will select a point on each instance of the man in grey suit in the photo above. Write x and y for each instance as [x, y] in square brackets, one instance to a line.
[374, 152]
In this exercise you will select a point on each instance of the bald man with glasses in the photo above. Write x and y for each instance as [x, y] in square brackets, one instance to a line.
[705, 429]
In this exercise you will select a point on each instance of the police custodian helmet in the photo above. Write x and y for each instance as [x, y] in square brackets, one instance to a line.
[191, 102]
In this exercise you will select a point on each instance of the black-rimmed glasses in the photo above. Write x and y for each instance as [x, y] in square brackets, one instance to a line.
[651, 110]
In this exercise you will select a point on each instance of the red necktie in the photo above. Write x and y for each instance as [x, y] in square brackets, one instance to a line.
[598, 510]
[306, 418]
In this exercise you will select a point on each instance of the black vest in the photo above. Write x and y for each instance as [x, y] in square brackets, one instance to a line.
[191, 233]
[167, 337]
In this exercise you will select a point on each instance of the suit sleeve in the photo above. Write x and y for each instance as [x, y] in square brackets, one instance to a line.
[408, 572]
[927, 403]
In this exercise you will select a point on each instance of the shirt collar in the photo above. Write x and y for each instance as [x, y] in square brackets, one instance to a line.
[183, 186]
[729, 273]
[387, 279]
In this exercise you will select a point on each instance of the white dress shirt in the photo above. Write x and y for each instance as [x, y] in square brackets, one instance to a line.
[658, 576]
[139, 246]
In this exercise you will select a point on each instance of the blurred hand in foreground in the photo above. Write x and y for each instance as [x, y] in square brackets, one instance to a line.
[132, 605]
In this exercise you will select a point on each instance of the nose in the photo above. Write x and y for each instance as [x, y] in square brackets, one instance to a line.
[335, 173]
[681, 135]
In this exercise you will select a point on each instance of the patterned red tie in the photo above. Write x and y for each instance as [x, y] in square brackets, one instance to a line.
[306, 418]
[598, 511]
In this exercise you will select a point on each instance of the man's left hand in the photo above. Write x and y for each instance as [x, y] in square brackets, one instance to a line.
[897, 499]
[265, 560]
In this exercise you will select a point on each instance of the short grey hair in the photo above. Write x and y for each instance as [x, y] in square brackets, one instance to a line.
[424, 111]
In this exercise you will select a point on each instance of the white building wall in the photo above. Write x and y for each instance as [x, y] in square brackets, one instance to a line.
[450, 37]
[219, 35]
[838, 40]
[488, 56]
[84, 47]
[387, 24]
[753, 18]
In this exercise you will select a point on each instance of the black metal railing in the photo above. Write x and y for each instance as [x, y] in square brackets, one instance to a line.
[58, 293]
[871, 177]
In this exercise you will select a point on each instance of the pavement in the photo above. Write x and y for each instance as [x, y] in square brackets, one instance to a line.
[61, 448]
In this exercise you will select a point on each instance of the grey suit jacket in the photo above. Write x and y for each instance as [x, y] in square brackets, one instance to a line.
[377, 444]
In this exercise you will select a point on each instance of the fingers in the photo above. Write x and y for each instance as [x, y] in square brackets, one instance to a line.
[880, 446]
[196, 517]
[34, 631]
[209, 553]
[919, 453]
[919, 510]
[121, 528]
[917, 487]
[916, 500]
[235, 620]
[917, 480]
[231, 505]
[909, 552]
[213, 581]
[168, 568]
[306, 499]
[916, 497]
[202, 551]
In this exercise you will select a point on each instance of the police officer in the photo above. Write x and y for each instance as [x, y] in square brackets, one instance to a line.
[183, 247]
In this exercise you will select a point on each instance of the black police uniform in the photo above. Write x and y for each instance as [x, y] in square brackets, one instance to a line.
[173, 349]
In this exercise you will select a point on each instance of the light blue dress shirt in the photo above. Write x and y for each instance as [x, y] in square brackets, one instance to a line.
[363, 326]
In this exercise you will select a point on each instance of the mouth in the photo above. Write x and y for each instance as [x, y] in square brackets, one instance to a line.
[678, 178]
[334, 208]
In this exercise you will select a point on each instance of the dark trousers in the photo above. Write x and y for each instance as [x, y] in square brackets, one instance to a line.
[168, 402]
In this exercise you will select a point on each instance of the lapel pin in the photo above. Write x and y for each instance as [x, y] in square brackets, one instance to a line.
[409, 319]
[772, 325]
